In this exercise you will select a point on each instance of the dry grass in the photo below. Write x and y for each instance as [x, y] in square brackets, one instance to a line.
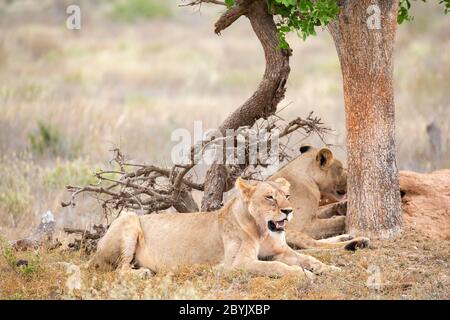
[410, 267]
[68, 97]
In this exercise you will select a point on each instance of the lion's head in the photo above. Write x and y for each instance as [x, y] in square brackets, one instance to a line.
[268, 203]
[326, 171]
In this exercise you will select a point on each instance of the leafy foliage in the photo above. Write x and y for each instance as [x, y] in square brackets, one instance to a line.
[446, 4]
[405, 5]
[230, 3]
[302, 16]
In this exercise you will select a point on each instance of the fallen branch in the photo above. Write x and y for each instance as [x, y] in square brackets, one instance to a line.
[88, 239]
[149, 188]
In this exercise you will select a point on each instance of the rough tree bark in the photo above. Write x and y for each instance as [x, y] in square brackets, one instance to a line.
[366, 57]
[264, 101]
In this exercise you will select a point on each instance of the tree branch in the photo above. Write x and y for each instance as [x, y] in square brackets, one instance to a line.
[264, 101]
[231, 15]
[199, 3]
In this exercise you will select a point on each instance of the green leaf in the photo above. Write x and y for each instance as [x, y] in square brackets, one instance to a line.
[230, 3]
[302, 16]
[446, 5]
[287, 2]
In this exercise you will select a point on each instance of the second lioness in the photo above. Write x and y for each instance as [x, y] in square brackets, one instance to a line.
[316, 173]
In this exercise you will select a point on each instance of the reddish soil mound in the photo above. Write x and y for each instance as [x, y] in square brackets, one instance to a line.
[426, 202]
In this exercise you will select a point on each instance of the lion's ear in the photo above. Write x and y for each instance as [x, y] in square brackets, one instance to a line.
[284, 184]
[245, 189]
[324, 158]
[304, 149]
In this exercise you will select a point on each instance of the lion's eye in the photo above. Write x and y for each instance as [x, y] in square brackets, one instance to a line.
[288, 196]
[269, 198]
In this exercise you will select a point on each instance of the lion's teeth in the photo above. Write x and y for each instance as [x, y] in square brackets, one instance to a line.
[280, 224]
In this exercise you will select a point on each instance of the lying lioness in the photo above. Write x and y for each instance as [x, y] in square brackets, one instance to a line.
[316, 173]
[247, 233]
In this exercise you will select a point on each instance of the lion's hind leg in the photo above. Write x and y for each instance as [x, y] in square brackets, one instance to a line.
[299, 240]
[324, 228]
[347, 242]
[117, 248]
[336, 239]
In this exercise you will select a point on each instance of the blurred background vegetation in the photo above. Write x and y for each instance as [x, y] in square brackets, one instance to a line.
[138, 69]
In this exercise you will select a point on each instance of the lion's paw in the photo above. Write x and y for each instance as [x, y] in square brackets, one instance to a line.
[309, 275]
[358, 243]
[144, 273]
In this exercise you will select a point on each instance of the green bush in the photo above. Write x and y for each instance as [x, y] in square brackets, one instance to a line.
[48, 139]
[69, 173]
[45, 138]
[133, 10]
[28, 267]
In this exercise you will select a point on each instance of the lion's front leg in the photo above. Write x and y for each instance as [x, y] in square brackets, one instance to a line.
[241, 255]
[268, 268]
[293, 258]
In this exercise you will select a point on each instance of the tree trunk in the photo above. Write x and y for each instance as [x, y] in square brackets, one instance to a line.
[366, 57]
[263, 102]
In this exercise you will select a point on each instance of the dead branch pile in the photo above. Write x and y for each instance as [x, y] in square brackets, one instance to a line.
[88, 240]
[148, 188]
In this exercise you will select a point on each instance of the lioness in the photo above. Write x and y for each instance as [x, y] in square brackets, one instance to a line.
[246, 231]
[313, 174]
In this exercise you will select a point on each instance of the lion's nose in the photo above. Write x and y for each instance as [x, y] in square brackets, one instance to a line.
[287, 211]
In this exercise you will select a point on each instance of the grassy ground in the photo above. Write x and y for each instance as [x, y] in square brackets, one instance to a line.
[410, 267]
[136, 71]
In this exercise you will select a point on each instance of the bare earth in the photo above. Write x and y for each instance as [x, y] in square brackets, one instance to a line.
[426, 203]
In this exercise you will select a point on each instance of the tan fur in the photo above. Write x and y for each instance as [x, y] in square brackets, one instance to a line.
[312, 175]
[236, 237]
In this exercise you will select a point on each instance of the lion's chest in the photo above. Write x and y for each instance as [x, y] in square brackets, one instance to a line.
[271, 245]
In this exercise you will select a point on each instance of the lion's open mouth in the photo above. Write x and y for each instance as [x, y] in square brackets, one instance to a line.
[277, 226]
